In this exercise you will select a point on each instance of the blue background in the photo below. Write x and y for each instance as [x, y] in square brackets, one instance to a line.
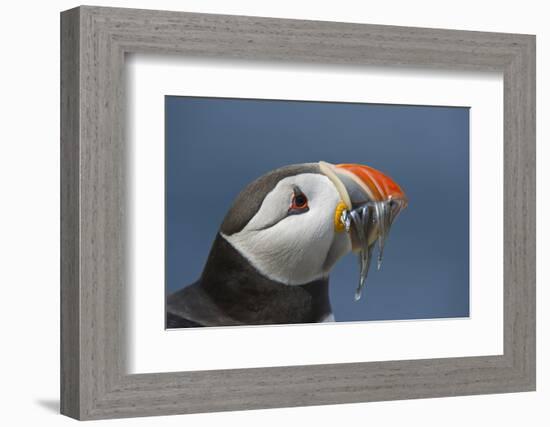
[215, 147]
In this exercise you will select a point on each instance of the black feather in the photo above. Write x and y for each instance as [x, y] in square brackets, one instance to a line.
[232, 292]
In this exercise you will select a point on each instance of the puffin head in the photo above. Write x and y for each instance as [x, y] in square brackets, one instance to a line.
[293, 223]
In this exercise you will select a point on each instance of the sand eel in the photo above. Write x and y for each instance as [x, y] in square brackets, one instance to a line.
[271, 259]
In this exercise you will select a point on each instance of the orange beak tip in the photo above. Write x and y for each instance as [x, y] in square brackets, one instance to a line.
[379, 185]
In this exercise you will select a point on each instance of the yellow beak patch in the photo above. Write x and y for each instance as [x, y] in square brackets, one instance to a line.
[339, 225]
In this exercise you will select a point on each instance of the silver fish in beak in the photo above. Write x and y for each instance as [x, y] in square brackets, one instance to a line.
[371, 201]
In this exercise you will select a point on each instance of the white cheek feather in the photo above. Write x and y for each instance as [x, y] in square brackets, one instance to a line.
[293, 250]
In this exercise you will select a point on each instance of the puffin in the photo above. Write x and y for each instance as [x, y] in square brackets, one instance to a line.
[271, 258]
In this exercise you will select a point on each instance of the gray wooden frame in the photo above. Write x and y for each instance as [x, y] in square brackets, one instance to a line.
[94, 41]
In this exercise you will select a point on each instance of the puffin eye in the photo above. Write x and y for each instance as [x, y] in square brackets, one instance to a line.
[299, 203]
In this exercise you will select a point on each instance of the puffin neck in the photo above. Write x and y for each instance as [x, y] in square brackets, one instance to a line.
[244, 294]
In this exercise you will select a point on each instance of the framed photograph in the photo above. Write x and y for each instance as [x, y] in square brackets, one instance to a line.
[262, 213]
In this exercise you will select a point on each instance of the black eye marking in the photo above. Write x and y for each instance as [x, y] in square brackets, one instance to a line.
[299, 202]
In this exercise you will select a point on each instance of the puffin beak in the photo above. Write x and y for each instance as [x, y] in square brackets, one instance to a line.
[370, 202]
[360, 186]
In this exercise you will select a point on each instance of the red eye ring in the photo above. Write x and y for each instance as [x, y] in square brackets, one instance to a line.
[299, 201]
